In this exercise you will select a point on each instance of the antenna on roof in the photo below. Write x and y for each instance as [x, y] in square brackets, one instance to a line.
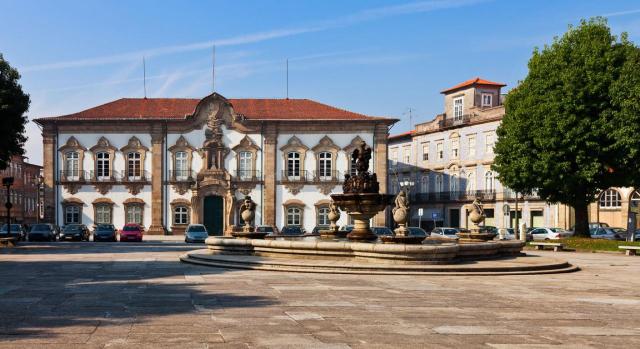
[287, 78]
[213, 70]
[144, 76]
[410, 113]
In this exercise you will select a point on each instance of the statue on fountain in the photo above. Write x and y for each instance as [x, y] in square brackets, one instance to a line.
[401, 216]
[476, 234]
[333, 232]
[363, 181]
[248, 213]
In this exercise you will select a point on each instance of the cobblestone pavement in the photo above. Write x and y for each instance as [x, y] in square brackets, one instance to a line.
[137, 295]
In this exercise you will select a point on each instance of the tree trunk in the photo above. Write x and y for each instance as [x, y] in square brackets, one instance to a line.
[582, 219]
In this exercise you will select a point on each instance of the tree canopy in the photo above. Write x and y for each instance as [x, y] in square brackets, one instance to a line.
[572, 127]
[13, 104]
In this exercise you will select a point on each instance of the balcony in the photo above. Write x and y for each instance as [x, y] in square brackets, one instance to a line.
[453, 196]
[451, 122]
[92, 177]
[182, 176]
[327, 176]
[295, 176]
[247, 176]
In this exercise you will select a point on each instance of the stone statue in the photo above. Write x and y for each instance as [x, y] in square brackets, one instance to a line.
[334, 215]
[362, 155]
[248, 212]
[401, 213]
[363, 181]
[477, 213]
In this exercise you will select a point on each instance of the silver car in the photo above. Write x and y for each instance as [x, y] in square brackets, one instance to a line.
[445, 233]
[195, 233]
[541, 234]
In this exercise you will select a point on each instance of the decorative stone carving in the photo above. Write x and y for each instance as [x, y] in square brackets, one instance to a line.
[134, 187]
[103, 188]
[363, 181]
[326, 187]
[294, 187]
[247, 212]
[72, 187]
[245, 187]
[181, 187]
[246, 145]
[334, 216]
[182, 145]
[401, 213]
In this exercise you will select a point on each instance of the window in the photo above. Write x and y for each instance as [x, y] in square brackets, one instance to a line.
[453, 183]
[487, 99]
[488, 143]
[610, 198]
[182, 167]
[425, 151]
[323, 216]
[457, 108]
[245, 166]
[471, 182]
[181, 215]
[440, 150]
[489, 181]
[72, 166]
[472, 147]
[293, 165]
[134, 170]
[134, 214]
[406, 155]
[424, 184]
[294, 216]
[353, 170]
[102, 165]
[394, 157]
[439, 183]
[72, 215]
[103, 214]
[455, 146]
[325, 166]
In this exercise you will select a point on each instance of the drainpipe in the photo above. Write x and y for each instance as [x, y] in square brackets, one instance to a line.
[262, 172]
[165, 192]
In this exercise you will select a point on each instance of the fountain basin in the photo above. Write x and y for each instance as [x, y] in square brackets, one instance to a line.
[362, 207]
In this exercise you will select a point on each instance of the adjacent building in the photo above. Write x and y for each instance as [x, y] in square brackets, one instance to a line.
[447, 164]
[166, 162]
[23, 194]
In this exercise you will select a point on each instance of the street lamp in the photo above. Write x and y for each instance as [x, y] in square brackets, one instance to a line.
[8, 182]
[406, 186]
[39, 181]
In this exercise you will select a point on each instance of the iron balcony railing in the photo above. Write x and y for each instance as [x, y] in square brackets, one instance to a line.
[327, 176]
[462, 196]
[295, 176]
[106, 176]
[182, 176]
[247, 175]
[453, 121]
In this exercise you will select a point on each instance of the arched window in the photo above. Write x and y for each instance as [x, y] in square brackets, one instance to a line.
[103, 214]
[424, 184]
[72, 214]
[453, 183]
[72, 166]
[182, 167]
[134, 214]
[294, 216]
[439, 186]
[134, 168]
[181, 215]
[293, 165]
[102, 166]
[245, 165]
[610, 198]
[489, 181]
[323, 216]
[471, 182]
[325, 166]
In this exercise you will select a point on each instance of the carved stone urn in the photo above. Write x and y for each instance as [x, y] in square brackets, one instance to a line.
[401, 216]
[333, 231]
[247, 213]
[476, 234]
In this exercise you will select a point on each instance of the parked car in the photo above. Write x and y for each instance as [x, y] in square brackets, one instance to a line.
[271, 230]
[17, 231]
[131, 232]
[196, 233]
[382, 231]
[75, 232]
[445, 233]
[105, 232]
[489, 229]
[417, 231]
[593, 225]
[292, 230]
[42, 232]
[608, 233]
[539, 234]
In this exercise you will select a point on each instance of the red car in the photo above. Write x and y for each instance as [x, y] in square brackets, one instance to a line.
[131, 232]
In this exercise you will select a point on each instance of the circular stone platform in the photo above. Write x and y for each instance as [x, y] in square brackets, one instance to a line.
[487, 258]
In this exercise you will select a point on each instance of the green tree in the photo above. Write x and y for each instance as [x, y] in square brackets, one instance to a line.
[572, 127]
[13, 104]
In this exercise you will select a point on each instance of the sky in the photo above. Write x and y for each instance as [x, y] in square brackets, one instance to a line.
[374, 57]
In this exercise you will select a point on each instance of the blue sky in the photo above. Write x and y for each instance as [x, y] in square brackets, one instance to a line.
[374, 57]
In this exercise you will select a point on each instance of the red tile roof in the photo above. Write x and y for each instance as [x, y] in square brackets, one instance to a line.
[400, 135]
[476, 81]
[179, 108]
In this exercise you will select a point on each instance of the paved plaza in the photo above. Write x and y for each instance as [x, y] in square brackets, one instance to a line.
[138, 295]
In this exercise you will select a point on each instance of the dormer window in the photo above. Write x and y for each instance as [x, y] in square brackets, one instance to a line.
[457, 108]
[487, 99]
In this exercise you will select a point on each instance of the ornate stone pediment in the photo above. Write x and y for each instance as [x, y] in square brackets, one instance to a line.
[326, 144]
[294, 187]
[72, 187]
[72, 144]
[103, 188]
[246, 143]
[134, 144]
[326, 188]
[134, 187]
[355, 142]
[103, 145]
[181, 145]
[181, 187]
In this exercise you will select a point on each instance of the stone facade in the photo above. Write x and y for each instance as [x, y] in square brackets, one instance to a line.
[24, 191]
[165, 163]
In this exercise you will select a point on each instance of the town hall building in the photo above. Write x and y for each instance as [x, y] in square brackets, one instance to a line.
[165, 162]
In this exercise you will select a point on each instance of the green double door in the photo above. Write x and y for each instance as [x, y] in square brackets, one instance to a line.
[213, 213]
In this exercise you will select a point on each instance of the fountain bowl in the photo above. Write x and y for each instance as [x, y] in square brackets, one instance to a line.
[362, 207]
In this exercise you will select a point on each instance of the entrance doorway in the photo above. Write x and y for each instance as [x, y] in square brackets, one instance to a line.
[213, 213]
[454, 218]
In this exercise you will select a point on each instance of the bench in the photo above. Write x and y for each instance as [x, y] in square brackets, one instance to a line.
[541, 245]
[8, 242]
[630, 250]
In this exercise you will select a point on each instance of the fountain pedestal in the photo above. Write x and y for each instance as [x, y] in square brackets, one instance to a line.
[476, 234]
[362, 207]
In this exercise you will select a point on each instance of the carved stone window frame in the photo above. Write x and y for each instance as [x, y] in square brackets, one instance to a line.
[134, 145]
[247, 145]
[294, 203]
[182, 145]
[324, 203]
[326, 144]
[134, 202]
[102, 202]
[294, 144]
[180, 203]
[72, 145]
[72, 202]
[105, 146]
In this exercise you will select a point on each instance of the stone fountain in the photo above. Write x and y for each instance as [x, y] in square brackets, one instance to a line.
[401, 216]
[476, 234]
[333, 232]
[361, 198]
[248, 213]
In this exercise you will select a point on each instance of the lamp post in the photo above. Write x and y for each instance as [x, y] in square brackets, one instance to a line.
[39, 181]
[8, 182]
[406, 186]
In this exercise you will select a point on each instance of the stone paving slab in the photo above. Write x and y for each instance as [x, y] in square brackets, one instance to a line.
[94, 295]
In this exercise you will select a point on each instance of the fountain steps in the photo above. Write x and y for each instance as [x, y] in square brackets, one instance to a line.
[521, 265]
